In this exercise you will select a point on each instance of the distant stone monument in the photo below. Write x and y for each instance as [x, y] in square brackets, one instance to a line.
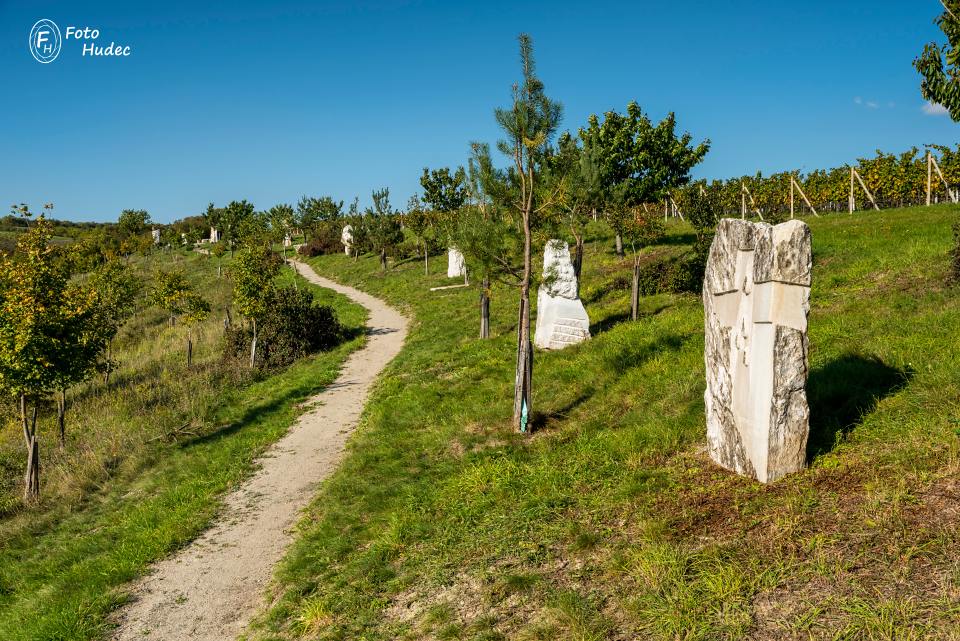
[214, 235]
[756, 297]
[561, 317]
[156, 236]
[346, 237]
[456, 265]
[287, 241]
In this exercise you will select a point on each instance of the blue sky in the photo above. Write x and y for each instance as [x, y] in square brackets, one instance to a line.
[269, 101]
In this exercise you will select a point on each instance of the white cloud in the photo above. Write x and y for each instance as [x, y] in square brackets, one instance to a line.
[934, 109]
[858, 100]
[872, 105]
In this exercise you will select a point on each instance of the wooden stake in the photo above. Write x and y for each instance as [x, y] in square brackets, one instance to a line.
[936, 165]
[929, 175]
[794, 183]
[791, 197]
[852, 201]
[865, 190]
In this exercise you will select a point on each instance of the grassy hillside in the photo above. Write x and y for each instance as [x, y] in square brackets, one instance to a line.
[145, 462]
[610, 522]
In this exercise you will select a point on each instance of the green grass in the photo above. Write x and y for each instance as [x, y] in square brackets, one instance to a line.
[610, 521]
[146, 462]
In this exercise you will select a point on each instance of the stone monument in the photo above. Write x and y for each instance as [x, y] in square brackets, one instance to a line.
[561, 317]
[456, 265]
[346, 237]
[287, 241]
[756, 297]
[214, 235]
[155, 233]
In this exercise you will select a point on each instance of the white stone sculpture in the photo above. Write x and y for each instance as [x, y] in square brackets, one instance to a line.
[156, 236]
[346, 237]
[456, 265]
[756, 297]
[287, 241]
[214, 235]
[561, 317]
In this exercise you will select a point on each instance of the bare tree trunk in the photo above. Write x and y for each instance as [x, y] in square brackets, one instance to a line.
[31, 478]
[109, 367]
[253, 345]
[485, 308]
[635, 293]
[426, 259]
[62, 417]
[619, 245]
[522, 407]
[189, 350]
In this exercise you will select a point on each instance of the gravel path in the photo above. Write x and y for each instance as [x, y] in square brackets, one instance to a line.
[211, 589]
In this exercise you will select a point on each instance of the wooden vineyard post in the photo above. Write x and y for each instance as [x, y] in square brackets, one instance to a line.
[852, 200]
[865, 190]
[932, 163]
[929, 175]
[795, 184]
[743, 203]
[744, 192]
[791, 197]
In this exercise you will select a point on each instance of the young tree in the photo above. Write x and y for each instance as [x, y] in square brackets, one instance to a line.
[941, 82]
[282, 219]
[133, 222]
[253, 275]
[484, 232]
[638, 163]
[640, 229]
[420, 224]
[444, 193]
[42, 318]
[174, 294]
[229, 220]
[529, 123]
[117, 290]
[383, 226]
[575, 173]
[218, 250]
[312, 212]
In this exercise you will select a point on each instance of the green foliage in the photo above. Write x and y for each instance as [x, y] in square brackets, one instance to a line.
[171, 292]
[44, 318]
[315, 212]
[637, 162]
[282, 220]
[291, 327]
[230, 221]
[253, 272]
[442, 191]
[381, 226]
[133, 222]
[326, 240]
[941, 82]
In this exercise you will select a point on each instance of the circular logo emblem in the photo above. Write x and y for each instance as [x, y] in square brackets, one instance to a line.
[45, 41]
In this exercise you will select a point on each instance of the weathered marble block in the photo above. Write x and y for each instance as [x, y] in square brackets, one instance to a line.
[346, 237]
[456, 264]
[155, 234]
[756, 298]
[561, 317]
[214, 235]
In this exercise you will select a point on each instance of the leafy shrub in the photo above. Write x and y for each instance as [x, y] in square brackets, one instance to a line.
[325, 241]
[676, 274]
[291, 328]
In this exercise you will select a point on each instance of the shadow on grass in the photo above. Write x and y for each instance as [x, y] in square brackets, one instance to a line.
[842, 392]
[615, 319]
[635, 355]
[540, 420]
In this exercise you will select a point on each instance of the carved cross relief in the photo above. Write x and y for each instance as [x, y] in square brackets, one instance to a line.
[751, 312]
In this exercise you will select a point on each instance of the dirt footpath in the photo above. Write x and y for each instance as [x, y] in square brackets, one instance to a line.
[212, 588]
